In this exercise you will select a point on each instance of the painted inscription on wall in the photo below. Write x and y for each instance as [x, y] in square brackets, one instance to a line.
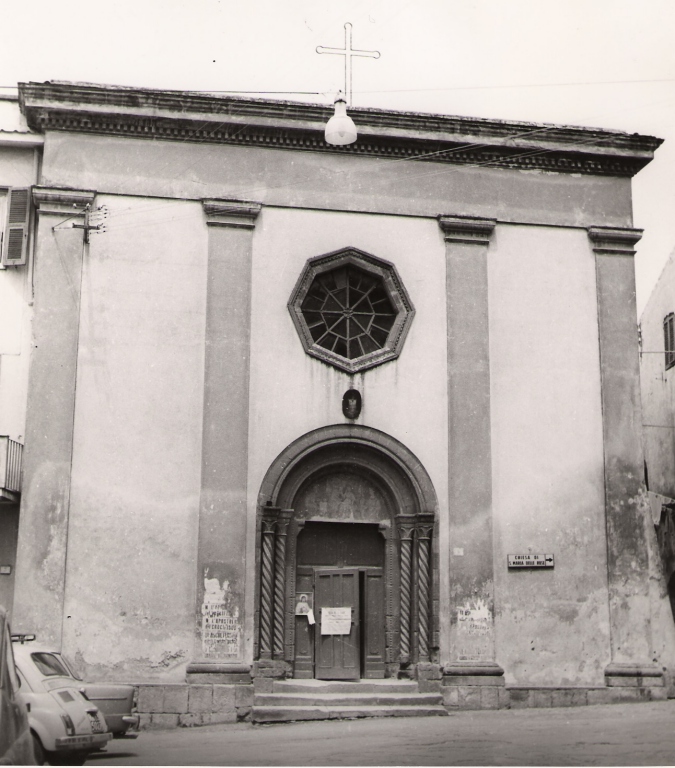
[221, 627]
[474, 631]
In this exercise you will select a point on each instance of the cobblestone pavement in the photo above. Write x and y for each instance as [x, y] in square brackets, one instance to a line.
[618, 734]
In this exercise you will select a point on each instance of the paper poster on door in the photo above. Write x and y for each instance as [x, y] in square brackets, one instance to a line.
[336, 621]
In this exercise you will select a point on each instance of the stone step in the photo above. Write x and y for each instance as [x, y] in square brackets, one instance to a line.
[317, 699]
[345, 686]
[291, 714]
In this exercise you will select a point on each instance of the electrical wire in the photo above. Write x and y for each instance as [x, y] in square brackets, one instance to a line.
[389, 162]
[444, 171]
[582, 83]
[251, 191]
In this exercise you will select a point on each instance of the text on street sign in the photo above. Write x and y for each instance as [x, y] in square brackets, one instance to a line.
[530, 561]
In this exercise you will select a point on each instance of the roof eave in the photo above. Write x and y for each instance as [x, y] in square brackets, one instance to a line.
[297, 125]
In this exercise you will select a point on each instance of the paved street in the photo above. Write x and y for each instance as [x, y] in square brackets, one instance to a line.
[620, 734]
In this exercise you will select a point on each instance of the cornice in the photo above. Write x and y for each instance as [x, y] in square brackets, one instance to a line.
[467, 229]
[60, 201]
[189, 117]
[21, 140]
[616, 241]
[231, 213]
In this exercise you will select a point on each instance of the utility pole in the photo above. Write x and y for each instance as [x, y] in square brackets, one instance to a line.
[99, 214]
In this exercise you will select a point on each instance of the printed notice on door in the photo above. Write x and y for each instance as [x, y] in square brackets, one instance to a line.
[336, 621]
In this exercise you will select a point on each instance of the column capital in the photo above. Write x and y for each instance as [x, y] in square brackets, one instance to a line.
[406, 525]
[474, 230]
[270, 515]
[60, 202]
[283, 520]
[270, 512]
[617, 241]
[424, 525]
[231, 213]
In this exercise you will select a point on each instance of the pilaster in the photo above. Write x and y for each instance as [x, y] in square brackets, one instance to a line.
[626, 508]
[469, 444]
[43, 527]
[223, 501]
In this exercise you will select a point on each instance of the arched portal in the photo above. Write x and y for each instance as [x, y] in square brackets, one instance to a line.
[346, 525]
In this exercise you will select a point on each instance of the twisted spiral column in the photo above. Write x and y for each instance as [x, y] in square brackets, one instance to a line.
[406, 531]
[280, 582]
[267, 585]
[424, 529]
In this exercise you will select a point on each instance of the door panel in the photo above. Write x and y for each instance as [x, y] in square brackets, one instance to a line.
[337, 657]
[374, 624]
[304, 631]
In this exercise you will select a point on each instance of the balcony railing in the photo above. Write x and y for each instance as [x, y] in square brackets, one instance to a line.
[11, 454]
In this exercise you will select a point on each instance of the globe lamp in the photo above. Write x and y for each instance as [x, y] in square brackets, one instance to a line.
[340, 129]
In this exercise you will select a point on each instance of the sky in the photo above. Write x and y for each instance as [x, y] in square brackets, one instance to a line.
[599, 63]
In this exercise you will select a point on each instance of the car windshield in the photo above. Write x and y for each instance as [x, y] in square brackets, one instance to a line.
[48, 664]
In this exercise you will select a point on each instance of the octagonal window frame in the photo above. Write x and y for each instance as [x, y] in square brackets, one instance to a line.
[396, 292]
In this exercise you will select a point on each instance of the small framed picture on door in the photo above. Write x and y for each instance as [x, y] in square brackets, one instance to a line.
[304, 603]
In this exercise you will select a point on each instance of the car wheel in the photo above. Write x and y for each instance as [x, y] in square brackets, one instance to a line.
[38, 750]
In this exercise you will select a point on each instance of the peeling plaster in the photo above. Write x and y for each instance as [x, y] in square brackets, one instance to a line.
[474, 631]
[221, 626]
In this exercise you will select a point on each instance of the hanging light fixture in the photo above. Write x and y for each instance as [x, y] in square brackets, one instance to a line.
[340, 129]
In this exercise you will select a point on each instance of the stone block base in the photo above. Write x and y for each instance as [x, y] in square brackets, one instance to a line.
[522, 698]
[457, 696]
[425, 670]
[475, 697]
[273, 668]
[188, 705]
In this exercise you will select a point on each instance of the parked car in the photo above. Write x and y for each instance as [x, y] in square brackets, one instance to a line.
[16, 743]
[66, 727]
[115, 700]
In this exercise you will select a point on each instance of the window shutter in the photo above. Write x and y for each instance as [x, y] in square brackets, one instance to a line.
[669, 339]
[15, 241]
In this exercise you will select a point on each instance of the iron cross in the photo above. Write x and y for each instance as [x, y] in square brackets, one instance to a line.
[348, 52]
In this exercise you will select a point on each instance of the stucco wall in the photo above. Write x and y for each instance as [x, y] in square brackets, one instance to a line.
[547, 449]
[132, 538]
[658, 386]
[339, 181]
[131, 572]
[292, 393]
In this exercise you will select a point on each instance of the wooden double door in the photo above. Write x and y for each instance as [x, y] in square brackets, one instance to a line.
[341, 565]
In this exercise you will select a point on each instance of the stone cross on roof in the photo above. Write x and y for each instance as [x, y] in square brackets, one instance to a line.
[348, 52]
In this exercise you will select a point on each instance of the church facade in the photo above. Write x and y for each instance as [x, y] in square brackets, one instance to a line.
[341, 413]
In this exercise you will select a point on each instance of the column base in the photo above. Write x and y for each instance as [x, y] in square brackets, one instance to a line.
[646, 675]
[272, 668]
[473, 673]
[218, 673]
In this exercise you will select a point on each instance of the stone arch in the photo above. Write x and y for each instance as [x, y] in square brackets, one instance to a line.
[411, 552]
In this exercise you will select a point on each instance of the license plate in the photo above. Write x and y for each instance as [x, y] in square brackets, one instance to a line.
[66, 742]
[96, 724]
[69, 741]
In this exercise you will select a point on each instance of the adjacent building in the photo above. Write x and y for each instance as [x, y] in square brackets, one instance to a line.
[657, 358]
[20, 153]
[345, 413]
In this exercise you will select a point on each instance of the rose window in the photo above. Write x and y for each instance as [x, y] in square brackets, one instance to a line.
[351, 310]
